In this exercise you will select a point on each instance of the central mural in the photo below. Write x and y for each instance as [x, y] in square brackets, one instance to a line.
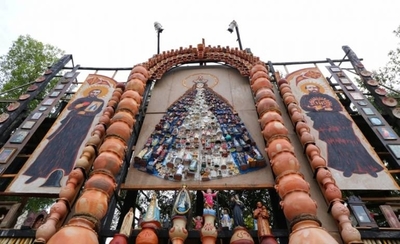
[201, 128]
[201, 137]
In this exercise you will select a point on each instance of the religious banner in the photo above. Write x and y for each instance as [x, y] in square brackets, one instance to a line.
[351, 159]
[201, 129]
[48, 167]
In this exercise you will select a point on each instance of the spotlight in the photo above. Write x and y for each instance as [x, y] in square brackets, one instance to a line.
[232, 25]
[158, 27]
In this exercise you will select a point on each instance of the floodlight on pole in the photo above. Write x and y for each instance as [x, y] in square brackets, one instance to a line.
[158, 27]
[234, 26]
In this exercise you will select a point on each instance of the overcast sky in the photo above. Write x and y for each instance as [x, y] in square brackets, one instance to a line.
[120, 33]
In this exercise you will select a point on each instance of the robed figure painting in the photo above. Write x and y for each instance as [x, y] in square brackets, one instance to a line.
[342, 144]
[56, 155]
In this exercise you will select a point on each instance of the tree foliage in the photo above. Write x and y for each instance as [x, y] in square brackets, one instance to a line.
[26, 59]
[390, 74]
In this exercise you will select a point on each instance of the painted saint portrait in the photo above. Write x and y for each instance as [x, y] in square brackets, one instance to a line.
[345, 152]
[55, 157]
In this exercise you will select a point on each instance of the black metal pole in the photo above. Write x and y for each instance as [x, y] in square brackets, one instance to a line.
[158, 42]
[238, 37]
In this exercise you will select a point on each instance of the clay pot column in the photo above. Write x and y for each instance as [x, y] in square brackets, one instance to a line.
[294, 191]
[330, 190]
[77, 176]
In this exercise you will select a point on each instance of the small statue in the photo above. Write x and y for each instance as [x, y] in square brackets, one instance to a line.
[226, 221]
[208, 198]
[153, 211]
[198, 222]
[182, 203]
[261, 214]
[237, 207]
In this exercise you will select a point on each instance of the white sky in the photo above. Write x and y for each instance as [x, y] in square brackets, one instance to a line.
[120, 33]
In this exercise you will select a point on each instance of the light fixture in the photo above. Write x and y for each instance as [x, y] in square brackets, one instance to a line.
[158, 27]
[233, 25]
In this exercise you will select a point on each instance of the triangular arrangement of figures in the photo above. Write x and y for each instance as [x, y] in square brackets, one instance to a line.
[201, 137]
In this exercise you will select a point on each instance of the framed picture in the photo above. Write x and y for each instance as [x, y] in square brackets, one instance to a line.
[387, 133]
[59, 87]
[36, 115]
[42, 108]
[345, 81]
[350, 88]
[55, 94]
[19, 136]
[375, 121]
[335, 69]
[6, 153]
[368, 111]
[356, 96]
[28, 125]
[48, 101]
[395, 149]
[362, 103]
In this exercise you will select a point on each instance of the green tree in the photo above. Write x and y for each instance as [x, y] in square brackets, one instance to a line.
[26, 59]
[390, 74]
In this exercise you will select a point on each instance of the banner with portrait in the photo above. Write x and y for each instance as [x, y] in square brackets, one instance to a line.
[48, 167]
[351, 159]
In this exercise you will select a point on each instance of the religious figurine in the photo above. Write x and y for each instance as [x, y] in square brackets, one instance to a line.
[153, 211]
[237, 210]
[198, 222]
[226, 221]
[182, 203]
[261, 215]
[208, 198]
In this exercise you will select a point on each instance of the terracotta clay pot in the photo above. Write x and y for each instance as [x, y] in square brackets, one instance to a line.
[83, 163]
[265, 105]
[284, 162]
[297, 117]
[259, 74]
[291, 182]
[261, 83]
[324, 176]
[138, 76]
[332, 192]
[296, 203]
[147, 236]
[274, 128]
[208, 232]
[108, 161]
[140, 69]
[256, 68]
[113, 145]
[306, 138]
[94, 142]
[102, 182]
[99, 130]
[282, 81]
[318, 162]
[128, 104]
[269, 117]
[94, 202]
[178, 232]
[241, 236]
[125, 117]
[263, 93]
[119, 239]
[76, 227]
[120, 129]
[279, 145]
[135, 85]
[104, 119]
[132, 94]
[340, 212]
[285, 88]
[293, 107]
[309, 231]
[312, 151]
